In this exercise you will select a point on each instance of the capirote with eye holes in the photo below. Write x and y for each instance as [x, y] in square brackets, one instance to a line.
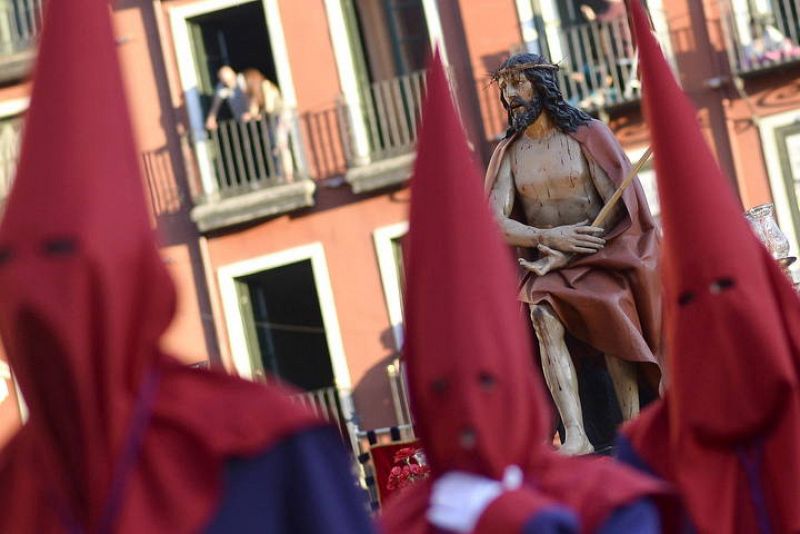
[715, 288]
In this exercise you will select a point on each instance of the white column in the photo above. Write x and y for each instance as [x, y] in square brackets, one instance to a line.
[527, 24]
[552, 24]
[199, 138]
[661, 27]
[283, 71]
[435, 31]
[280, 54]
[345, 64]
[741, 17]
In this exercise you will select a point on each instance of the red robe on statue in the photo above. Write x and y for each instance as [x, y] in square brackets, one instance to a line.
[610, 299]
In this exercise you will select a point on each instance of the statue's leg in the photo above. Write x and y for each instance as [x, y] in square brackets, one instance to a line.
[623, 375]
[561, 378]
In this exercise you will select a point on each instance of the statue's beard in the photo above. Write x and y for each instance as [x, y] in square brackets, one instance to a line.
[524, 112]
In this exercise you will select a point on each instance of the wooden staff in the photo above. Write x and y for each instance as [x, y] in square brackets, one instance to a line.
[543, 265]
[605, 212]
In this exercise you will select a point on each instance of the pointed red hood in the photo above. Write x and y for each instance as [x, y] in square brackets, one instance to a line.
[726, 433]
[730, 368]
[86, 296]
[470, 364]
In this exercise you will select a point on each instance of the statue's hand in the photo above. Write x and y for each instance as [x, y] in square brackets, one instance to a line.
[550, 261]
[576, 238]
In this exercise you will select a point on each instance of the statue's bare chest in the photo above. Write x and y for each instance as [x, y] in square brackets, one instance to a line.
[553, 181]
[553, 167]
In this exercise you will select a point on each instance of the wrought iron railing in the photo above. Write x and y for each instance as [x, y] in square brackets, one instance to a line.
[325, 403]
[161, 182]
[20, 24]
[251, 155]
[761, 35]
[598, 64]
[391, 113]
[324, 142]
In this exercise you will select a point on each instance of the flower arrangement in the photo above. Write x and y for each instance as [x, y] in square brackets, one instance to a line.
[409, 468]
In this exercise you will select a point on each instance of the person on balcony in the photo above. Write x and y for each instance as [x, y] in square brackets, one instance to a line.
[232, 90]
[603, 11]
[265, 102]
[614, 43]
[769, 45]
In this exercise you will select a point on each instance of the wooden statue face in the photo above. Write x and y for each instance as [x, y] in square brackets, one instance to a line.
[517, 90]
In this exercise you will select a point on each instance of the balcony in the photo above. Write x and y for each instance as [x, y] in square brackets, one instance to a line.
[381, 134]
[598, 65]
[252, 170]
[20, 24]
[761, 36]
[246, 174]
[325, 404]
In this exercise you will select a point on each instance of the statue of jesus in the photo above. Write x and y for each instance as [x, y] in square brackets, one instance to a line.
[547, 180]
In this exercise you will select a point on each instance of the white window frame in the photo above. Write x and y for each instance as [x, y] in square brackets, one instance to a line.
[783, 210]
[383, 238]
[239, 349]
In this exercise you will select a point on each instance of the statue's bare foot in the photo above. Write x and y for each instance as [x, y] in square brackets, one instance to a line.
[576, 444]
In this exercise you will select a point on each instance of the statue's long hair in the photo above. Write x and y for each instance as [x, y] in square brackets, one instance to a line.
[545, 82]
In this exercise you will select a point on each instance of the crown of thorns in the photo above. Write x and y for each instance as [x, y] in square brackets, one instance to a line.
[505, 71]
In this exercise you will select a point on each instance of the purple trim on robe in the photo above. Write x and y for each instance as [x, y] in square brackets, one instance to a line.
[302, 485]
[553, 520]
[750, 457]
[626, 454]
[640, 517]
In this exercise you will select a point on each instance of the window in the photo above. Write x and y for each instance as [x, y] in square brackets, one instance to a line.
[284, 326]
[409, 32]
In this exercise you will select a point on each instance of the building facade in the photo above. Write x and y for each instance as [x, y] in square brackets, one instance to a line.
[283, 231]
